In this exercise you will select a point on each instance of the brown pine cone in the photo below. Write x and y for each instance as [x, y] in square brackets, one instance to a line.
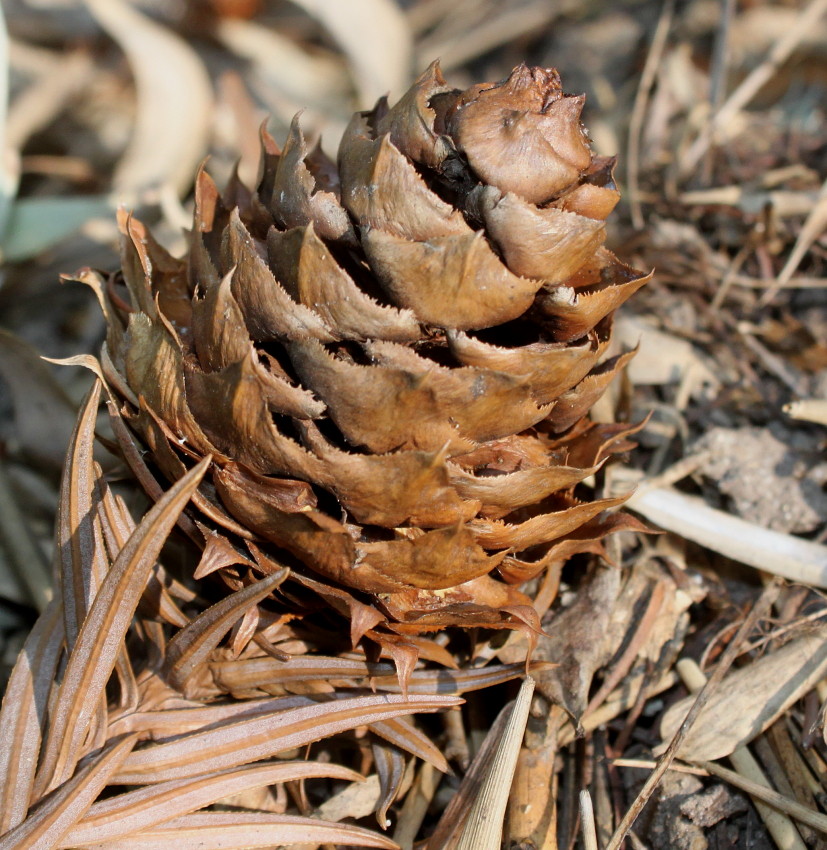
[390, 360]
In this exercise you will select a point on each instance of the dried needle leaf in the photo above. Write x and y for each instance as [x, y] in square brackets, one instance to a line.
[44, 829]
[80, 551]
[24, 714]
[99, 640]
[191, 646]
[263, 736]
[483, 829]
[139, 810]
[237, 831]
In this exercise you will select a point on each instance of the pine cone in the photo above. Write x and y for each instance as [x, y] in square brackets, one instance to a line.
[390, 360]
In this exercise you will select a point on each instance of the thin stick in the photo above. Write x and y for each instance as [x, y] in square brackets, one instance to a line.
[647, 80]
[754, 82]
[760, 608]
[793, 808]
[813, 228]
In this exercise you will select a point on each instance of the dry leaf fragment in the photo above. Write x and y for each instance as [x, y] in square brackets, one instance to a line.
[750, 698]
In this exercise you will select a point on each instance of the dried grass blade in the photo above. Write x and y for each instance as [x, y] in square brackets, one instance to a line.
[80, 552]
[263, 736]
[190, 647]
[137, 811]
[456, 813]
[484, 826]
[236, 831]
[23, 715]
[46, 825]
[93, 658]
[407, 737]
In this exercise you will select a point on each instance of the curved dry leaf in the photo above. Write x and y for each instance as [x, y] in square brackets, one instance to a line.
[750, 699]
[240, 830]
[190, 647]
[172, 126]
[141, 809]
[376, 39]
[484, 825]
[455, 814]
[261, 737]
[93, 658]
[46, 826]
[23, 714]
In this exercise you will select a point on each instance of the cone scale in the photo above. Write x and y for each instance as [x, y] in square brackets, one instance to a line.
[390, 359]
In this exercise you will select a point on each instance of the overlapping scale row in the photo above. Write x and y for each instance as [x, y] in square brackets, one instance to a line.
[391, 359]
